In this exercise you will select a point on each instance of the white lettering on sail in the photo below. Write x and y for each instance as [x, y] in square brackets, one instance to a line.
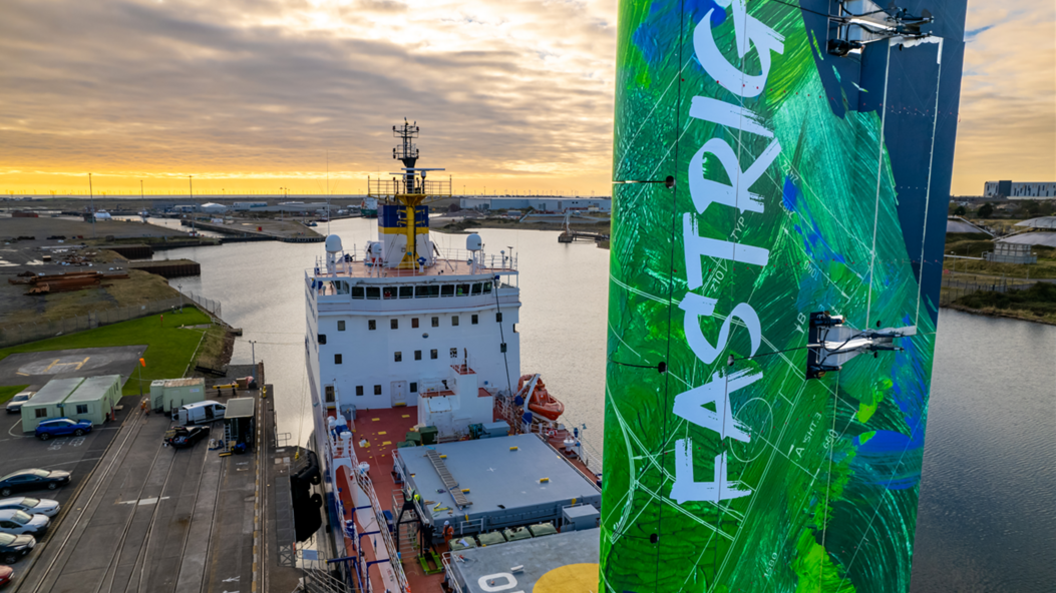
[687, 489]
[697, 247]
[690, 405]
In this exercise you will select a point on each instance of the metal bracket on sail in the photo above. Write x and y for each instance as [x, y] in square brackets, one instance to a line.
[831, 343]
[668, 182]
[858, 23]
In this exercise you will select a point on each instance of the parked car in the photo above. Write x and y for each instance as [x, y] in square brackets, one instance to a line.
[62, 426]
[33, 479]
[199, 412]
[6, 572]
[18, 522]
[33, 506]
[185, 436]
[14, 547]
[14, 405]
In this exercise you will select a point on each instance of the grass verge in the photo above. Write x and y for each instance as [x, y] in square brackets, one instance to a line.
[9, 391]
[1037, 303]
[169, 346]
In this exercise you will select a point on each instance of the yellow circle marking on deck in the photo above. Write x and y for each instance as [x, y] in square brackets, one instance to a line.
[570, 578]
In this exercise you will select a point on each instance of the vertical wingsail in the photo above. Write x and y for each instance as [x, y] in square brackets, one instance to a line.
[781, 173]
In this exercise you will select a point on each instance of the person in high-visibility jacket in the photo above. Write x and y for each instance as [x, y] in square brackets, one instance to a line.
[449, 532]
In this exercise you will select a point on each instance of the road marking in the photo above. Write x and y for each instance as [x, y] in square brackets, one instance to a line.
[231, 580]
[144, 501]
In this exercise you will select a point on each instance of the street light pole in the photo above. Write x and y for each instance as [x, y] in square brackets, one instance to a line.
[91, 199]
[253, 350]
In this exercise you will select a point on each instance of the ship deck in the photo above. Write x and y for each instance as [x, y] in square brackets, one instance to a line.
[442, 267]
[382, 429]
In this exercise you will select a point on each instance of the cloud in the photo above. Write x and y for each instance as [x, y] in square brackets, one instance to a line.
[190, 85]
[518, 92]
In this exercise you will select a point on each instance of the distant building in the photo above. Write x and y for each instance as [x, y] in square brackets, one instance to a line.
[1010, 253]
[214, 208]
[549, 204]
[244, 206]
[1019, 190]
[185, 208]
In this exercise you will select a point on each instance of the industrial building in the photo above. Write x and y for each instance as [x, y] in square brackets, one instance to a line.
[167, 394]
[240, 423]
[213, 208]
[1019, 190]
[47, 403]
[541, 204]
[95, 399]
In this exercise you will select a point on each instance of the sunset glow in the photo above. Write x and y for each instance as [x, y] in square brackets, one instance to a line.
[250, 96]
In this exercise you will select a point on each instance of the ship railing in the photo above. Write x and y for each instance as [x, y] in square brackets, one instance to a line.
[487, 263]
[365, 484]
[452, 580]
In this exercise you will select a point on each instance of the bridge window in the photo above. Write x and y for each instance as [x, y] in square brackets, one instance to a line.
[389, 292]
[414, 388]
[398, 356]
[357, 292]
[436, 322]
[473, 320]
[322, 338]
[463, 290]
[339, 287]
[337, 359]
[394, 324]
[447, 290]
[373, 293]
[454, 320]
[417, 354]
[406, 292]
[487, 288]
[477, 288]
[359, 390]
[377, 390]
[340, 325]
[433, 354]
[429, 291]
[372, 324]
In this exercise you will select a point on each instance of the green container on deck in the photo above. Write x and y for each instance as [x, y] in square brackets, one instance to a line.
[414, 437]
[428, 435]
[516, 533]
[491, 539]
[541, 529]
[456, 544]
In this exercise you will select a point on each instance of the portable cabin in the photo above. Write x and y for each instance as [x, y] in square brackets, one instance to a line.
[169, 394]
[95, 399]
[240, 422]
[47, 403]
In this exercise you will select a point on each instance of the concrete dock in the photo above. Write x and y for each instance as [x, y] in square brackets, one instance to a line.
[152, 518]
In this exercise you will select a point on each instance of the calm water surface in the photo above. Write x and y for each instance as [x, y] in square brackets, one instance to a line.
[987, 518]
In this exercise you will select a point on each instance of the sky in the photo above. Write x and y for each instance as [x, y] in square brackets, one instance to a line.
[511, 96]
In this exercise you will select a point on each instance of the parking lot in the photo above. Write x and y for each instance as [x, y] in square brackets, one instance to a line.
[77, 455]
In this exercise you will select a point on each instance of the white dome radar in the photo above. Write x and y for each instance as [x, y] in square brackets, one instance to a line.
[473, 242]
[333, 244]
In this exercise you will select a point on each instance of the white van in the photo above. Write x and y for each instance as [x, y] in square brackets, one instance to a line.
[201, 412]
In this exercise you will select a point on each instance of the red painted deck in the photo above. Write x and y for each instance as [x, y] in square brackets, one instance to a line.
[381, 430]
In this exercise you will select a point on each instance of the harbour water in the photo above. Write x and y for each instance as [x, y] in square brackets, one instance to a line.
[987, 519]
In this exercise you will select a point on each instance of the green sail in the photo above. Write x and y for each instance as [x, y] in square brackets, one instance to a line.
[800, 182]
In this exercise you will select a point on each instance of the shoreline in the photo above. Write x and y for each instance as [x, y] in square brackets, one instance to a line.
[1003, 313]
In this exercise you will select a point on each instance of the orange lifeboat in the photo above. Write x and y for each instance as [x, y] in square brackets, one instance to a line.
[539, 400]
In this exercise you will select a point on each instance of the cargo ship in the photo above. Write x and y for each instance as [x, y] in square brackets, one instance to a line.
[433, 458]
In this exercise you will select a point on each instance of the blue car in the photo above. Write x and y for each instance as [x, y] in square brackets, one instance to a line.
[62, 426]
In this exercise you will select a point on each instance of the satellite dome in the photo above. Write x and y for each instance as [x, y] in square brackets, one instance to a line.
[473, 242]
[333, 244]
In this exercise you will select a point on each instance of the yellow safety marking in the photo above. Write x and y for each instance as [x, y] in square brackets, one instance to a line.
[406, 415]
[386, 443]
[382, 432]
[53, 363]
[80, 364]
[21, 373]
[375, 419]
